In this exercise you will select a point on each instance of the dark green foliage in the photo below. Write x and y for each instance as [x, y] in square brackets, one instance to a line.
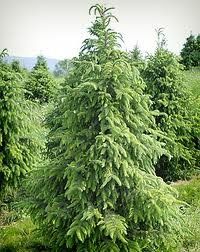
[190, 52]
[177, 117]
[98, 191]
[40, 85]
[41, 63]
[15, 66]
[18, 145]
[3, 53]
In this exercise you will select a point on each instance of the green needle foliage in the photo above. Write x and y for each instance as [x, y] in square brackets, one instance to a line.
[41, 85]
[98, 192]
[177, 118]
[18, 145]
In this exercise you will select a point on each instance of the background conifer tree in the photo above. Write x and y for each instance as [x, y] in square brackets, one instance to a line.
[18, 137]
[190, 52]
[98, 192]
[15, 65]
[62, 68]
[40, 85]
[136, 58]
[178, 118]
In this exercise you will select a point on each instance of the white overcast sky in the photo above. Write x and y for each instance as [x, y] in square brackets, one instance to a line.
[56, 28]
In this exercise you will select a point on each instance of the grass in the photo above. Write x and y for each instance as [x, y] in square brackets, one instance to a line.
[189, 192]
[192, 80]
[20, 236]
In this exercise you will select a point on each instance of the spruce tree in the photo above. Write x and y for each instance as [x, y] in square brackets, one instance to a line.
[40, 85]
[177, 118]
[98, 192]
[18, 137]
[136, 58]
[15, 66]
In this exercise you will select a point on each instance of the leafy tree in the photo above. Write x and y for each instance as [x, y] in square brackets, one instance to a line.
[63, 67]
[41, 85]
[98, 192]
[190, 52]
[18, 145]
[164, 79]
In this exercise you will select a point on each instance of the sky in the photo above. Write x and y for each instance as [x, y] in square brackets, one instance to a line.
[56, 28]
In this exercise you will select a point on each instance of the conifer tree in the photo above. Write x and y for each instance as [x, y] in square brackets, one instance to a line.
[99, 192]
[40, 85]
[15, 65]
[177, 118]
[190, 52]
[18, 137]
[136, 58]
[62, 68]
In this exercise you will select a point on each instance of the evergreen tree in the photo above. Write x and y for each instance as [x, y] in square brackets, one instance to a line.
[40, 85]
[164, 79]
[62, 68]
[136, 59]
[15, 65]
[41, 63]
[98, 192]
[18, 145]
[190, 52]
